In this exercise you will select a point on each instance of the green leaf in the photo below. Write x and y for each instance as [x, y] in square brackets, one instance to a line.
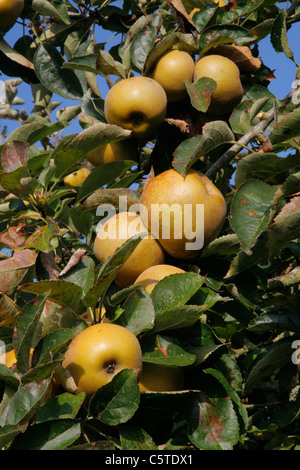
[214, 134]
[177, 318]
[48, 66]
[102, 175]
[135, 438]
[60, 291]
[82, 274]
[285, 228]
[111, 197]
[52, 343]
[41, 238]
[40, 372]
[275, 357]
[143, 42]
[251, 212]
[63, 406]
[106, 65]
[138, 315]
[55, 9]
[110, 268]
[175, 290]
[24, 403]
[9, 377]
[212, 422]
[9, 432]
[286, 128]
[117, 401]
[221, 34]
[222, 246]
[26, 326]
[267, 167]
[276, 322]
[74, 147]
[202, 17]
[50, 435]
[279, 37]
[166, 350]
[200, 92]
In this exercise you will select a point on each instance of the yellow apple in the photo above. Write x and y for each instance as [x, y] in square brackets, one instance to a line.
[9, 358]
[184, 214]
[10, 10]
[171, 70]
[158, 378]
[226, 74]
[114, 232]
[98, 353]
[136, 103]
[151, 276]
[112, 152]
[77, 177]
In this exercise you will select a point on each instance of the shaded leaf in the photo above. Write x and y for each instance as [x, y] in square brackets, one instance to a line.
[166, 350]
[48, 66]
[52, 435]
[251, 212]
[14, 269]
[63, 406]
[138, 315]
[117, 401]
[188, 152]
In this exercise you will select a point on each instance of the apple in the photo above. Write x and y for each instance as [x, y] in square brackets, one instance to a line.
[136, 103]
[114, 232]
[159, 378]
[226, 74]
[151, 276]
[98, 353]
[9, 358]
[77, 177]
[112, 152]
[10, 10]
[172, 208]
[171, 70]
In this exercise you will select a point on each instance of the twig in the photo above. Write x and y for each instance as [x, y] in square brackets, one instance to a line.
[246, 139]
[232, 151]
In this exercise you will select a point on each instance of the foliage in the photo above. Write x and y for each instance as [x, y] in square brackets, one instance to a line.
[231, 321]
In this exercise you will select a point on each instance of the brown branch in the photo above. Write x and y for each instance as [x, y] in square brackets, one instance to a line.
[246, 139]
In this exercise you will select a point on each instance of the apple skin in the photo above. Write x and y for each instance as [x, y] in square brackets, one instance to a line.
[98, 353]
[225, 72]
[171, 70]
[77, 177]
[146, 254]
[10, 10]
[112, 152]
[158, 378]
[151, 276]
[138, 104]
[170, 187]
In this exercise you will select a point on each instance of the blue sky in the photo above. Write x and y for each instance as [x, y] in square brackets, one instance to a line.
[284, 69]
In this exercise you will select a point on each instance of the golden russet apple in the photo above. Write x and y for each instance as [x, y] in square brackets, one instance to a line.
[77, 177]
[98, 353]
[159, 378]
[136, 103]
[183, 213]
[226, 74]
[151, 276]
[171, 70]
[112, 152]
[10, 10]
[114, 232]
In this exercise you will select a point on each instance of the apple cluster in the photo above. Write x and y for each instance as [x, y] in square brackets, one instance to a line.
[139, 104]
